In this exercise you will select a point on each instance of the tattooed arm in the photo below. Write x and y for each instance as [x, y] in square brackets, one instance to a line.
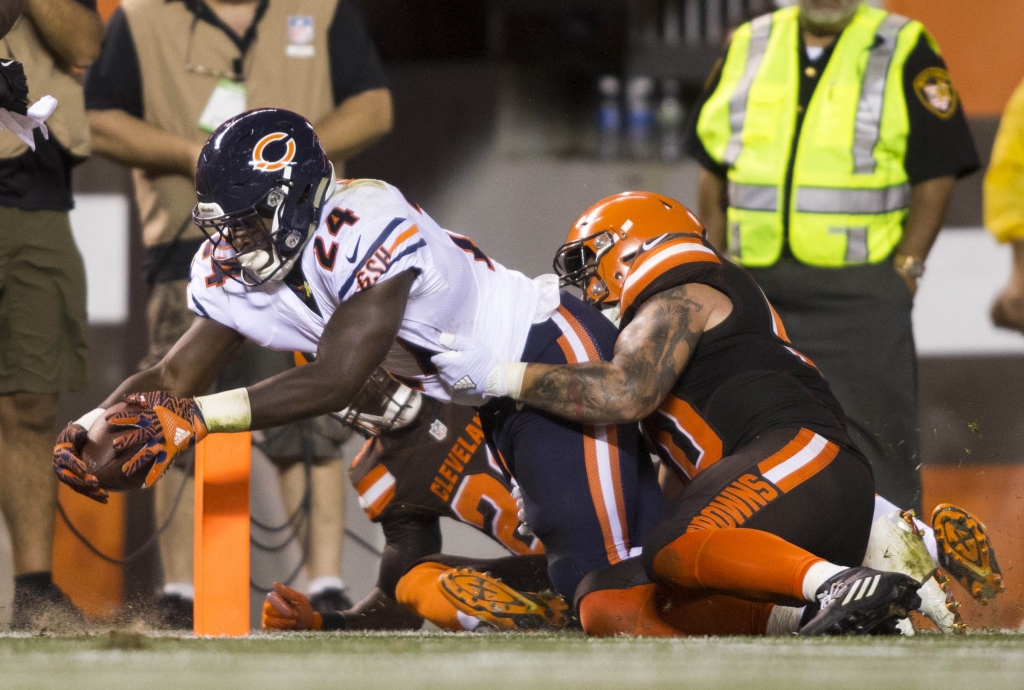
[650, 354]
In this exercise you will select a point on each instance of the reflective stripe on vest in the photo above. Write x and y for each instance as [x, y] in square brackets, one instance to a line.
[760, 32]
[872, 95]
[851, 201]
[754, 197]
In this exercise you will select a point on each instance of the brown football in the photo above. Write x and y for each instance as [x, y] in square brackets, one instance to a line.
[101, 460]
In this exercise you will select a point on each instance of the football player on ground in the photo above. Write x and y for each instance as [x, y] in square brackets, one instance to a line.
[778, 501]
[406, 478]
[415, 471]
[426, 460]
[355, 273]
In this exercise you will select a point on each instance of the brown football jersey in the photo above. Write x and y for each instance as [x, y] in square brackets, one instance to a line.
[440, 466]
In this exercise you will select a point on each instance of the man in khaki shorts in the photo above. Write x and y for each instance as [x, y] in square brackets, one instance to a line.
[169, 73]
[42, 292]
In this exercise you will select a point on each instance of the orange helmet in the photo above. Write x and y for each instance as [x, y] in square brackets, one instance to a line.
[604, 241]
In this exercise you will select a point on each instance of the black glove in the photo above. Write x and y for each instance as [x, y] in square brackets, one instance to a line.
[13, 87]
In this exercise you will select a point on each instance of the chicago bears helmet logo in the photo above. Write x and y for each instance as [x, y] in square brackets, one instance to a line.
[262, 164]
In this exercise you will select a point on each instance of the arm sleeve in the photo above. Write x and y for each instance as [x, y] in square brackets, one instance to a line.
[407, 539]
[114, 82]
[939, 143]
[1003, 191]
[355, 65]
[694, 146]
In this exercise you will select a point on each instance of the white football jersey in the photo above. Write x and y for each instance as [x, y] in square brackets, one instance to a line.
[368, 233]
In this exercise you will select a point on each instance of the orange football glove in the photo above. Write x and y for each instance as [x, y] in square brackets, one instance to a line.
[286, 609]
[68, 465]
[166, 426]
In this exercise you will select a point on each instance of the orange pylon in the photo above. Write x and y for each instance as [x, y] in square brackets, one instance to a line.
[221, 565]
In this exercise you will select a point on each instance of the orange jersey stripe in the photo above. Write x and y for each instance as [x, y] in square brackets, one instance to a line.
[613, 461]
[650, 265]
[802, 458]
[593, 446]
[597, 493]
[582, 334]
[812, 468]
[363, 451]
[780, 329]
[804, 358]
[688, 421]
[364, 484]
[675, 454]
[402, 238]
[798, 443]
[375, 491]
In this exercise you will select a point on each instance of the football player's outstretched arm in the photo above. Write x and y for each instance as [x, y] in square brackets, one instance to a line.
[190, 367]
[356, 339]
[650, 354]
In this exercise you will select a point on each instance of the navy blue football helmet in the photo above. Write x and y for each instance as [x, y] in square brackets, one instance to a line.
[261, 179]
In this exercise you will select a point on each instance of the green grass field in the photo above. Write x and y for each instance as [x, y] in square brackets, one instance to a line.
[491, 661]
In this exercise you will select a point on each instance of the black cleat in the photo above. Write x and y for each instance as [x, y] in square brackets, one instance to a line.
[39, 605]
[330, 600]
[172, 612]
[860, 601]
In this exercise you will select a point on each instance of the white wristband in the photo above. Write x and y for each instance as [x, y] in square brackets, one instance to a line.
[226, 412]
[514, 373]
[89, 418]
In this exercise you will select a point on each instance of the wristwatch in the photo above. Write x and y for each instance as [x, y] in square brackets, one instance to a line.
[909, 266]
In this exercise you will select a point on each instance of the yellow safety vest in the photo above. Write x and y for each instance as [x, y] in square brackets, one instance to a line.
[850, 192]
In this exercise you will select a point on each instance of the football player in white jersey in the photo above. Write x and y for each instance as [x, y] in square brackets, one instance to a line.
[352, 271]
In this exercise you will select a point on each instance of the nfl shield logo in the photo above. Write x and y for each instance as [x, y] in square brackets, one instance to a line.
[438, 430]
[300, 30]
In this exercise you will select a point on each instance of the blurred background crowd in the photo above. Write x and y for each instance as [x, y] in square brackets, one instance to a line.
[504, 119]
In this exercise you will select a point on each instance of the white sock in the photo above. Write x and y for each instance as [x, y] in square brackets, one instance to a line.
[784, 620]
[185, 590]
[320, 584]
[468, 623]
[884, 507]
[816, 576]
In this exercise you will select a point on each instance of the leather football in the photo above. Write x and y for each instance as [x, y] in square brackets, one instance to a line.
[101, 460]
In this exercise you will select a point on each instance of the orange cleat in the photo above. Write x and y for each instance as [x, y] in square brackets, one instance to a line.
[965, 552]
[500, 606]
